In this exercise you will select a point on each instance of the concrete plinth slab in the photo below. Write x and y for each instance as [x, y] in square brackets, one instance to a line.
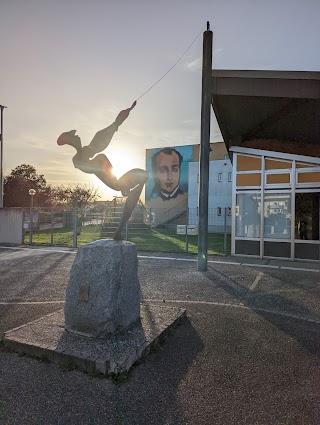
[47, 339]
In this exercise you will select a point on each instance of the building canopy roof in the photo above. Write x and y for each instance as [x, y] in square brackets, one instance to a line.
[281, 105]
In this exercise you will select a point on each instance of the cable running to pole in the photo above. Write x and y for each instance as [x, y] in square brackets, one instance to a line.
[173, 65]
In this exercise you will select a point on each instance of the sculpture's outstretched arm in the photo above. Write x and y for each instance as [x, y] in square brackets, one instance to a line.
[103, 137]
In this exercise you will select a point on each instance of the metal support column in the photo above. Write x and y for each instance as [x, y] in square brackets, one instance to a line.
[205, 149]
[225, 232]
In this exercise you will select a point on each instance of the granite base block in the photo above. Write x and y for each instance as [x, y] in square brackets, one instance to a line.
[47, 339]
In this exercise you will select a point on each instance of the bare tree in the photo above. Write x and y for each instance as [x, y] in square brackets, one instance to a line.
[78, 196]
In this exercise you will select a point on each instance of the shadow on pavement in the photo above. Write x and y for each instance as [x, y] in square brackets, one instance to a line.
[153, 386]
[268, 305]
[149, 396]
[33, 276]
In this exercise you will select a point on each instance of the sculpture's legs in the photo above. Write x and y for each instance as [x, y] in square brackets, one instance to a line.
[131, 179]
[130, 184]
[129, 206]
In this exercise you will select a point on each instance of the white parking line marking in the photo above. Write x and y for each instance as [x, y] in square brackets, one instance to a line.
[39, 249]
[29, 302]
[187, 259]
[161, 258]
[225, 262]
[239, 305]
[267, 266]
[299, 268]
[256, 281]
[149, 257]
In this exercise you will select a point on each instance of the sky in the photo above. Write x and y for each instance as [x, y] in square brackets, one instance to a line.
[74, 64]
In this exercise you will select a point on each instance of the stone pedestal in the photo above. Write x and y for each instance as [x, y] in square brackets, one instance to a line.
[103, 295]
[103, 329]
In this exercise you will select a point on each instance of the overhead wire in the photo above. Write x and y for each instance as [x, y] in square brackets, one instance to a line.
[153, 85]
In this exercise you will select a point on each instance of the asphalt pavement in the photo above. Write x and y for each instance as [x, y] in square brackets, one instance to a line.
[247, 354]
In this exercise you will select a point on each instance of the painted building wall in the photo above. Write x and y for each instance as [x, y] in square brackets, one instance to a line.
[166, 190]
[163, 207]
[220, 193]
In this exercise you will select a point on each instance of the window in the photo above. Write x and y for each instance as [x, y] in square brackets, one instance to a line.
[219, 177]
[226, 157]
[277, 216]
[229, 211]
[219, 209]
[229, 177]
[248, 215]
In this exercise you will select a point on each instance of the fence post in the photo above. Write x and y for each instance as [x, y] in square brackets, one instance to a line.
[52, 224]
[225, 231]
[75, 227]
[187, 242]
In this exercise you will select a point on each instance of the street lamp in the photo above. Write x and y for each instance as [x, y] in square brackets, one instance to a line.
[32, 192]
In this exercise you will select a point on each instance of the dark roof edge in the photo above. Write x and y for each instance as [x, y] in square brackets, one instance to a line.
[293, 75]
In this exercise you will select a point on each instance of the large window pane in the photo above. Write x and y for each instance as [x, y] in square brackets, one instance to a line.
[248, 215]
[277, 216]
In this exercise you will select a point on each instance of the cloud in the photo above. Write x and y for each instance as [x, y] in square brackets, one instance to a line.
[215, 52]
[194, 65]
[188, 122]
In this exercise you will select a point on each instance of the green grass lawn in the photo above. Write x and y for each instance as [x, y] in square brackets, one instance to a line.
[146, 239]
[164, 241]
[64, 236]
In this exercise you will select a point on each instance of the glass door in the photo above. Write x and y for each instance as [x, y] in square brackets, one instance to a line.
[307, 225]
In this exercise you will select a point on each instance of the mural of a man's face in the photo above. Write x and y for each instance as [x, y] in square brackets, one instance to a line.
[168, 171]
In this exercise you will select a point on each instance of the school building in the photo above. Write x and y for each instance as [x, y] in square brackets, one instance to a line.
[270, 123]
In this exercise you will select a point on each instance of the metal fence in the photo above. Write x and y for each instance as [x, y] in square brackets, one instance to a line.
[57, 226]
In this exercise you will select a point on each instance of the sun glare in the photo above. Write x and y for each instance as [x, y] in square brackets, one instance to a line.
[121, 164]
